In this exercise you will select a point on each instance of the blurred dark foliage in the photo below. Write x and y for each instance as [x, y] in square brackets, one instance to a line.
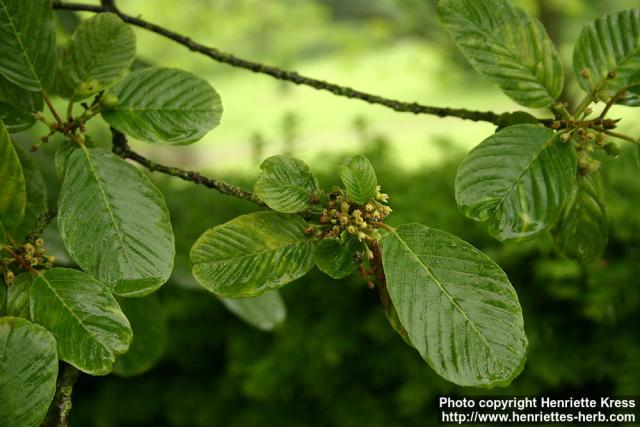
[336, 361]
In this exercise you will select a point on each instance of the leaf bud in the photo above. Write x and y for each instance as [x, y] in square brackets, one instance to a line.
[612, 149]
[109, 101]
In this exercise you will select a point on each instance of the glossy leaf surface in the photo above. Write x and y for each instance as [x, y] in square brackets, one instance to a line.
[359, 179]
[518, 179]
[115, 223]
[251, 254]
[13, 194]
[508, 46]
[583, 229]
[36, 189]
[3, 293]
[28, 372]
[164, 105]
[457, 306]
[99, 54]
[611, 44]
[17, 106]
[84, 317]
[18, 296]
[336, 259]
[286, 184]
[28, 48]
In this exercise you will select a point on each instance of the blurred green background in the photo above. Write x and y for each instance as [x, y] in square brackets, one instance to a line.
[335, 361]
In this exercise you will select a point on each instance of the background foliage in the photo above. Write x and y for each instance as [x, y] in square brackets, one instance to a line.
[335, 361]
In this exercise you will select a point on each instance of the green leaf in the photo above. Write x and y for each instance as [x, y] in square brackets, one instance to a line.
[359, 179]
[164, 105]
[610, 44]
[63, 153]
[518, 179]
[508, 46]
[115, 223]
[286, 184]
[36, 196]
[3, 235]
[15, 120]
[13, 195]
[17, 106]
[391, 314]
[83, 316]
[28, 372]
[457, 306]
[18, 296]
[515, 118]
[583, 229]
[3, 296]
[150, 334]
[336, 258]
[265, 312]
[28, 48]
[252, 254]
[99, 53]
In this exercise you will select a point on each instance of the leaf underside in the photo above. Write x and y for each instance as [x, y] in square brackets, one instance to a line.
[265, 312]
[150, 330]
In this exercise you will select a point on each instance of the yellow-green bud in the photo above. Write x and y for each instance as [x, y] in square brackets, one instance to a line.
[612, 149]
[109, 101]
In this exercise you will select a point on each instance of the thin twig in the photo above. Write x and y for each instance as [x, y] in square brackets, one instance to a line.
[621, 136]
[58, 415]
[52, 108]
[290, 76]
[383, 225]
[121, 148]
[43, 221]
[109, 5]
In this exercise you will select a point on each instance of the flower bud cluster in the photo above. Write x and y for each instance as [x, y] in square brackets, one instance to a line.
[25, 257]
[341, 218]
[36, 256]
